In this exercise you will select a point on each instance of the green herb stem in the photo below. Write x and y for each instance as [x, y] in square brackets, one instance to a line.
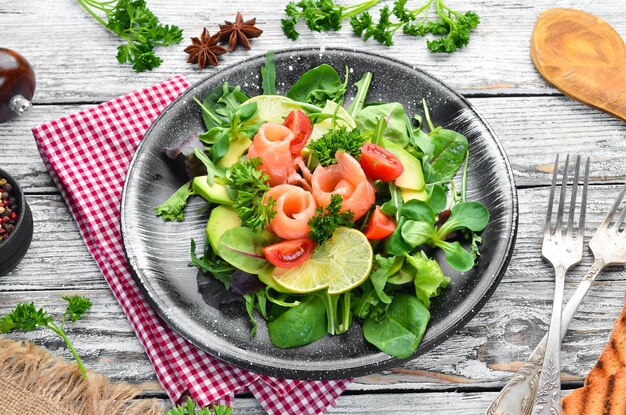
[349, 11]
[59, 331]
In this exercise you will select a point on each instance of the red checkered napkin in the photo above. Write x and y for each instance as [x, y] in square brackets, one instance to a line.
[87, 155]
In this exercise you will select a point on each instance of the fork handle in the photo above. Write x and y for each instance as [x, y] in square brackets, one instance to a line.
[548, 397]
[518, 395]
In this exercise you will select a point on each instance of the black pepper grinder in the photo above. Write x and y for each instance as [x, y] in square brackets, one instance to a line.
[17, 85]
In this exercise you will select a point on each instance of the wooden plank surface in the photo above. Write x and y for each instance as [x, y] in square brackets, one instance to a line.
[74, 57]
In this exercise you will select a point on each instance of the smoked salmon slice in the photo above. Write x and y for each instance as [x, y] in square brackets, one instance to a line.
[294, 207]
[271, 144]
[347, 179]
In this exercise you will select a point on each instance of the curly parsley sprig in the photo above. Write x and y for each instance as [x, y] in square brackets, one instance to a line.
[453, 26]
[249, 185]
[325, 147]
[132, 21]
[26, 317]
[328, 218]
[189, 408]
[320, 15]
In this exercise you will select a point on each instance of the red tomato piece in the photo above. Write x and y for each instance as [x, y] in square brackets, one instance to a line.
[379, 163]
[289, 253]
[299, 123]
[379, 226]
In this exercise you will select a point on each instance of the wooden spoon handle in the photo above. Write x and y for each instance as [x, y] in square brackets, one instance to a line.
[583, 57]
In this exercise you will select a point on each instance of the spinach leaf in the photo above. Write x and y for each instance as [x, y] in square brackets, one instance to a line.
[449, 152]
[416, 233]
[400, 331]
[268, 74]
[471, 215]
[300, 325]
[363, 303]
[405, 275]
[241, 247]
[458, 257]
[429, 278]
[359, 100]
[398, 125]
[438, 199]
[317, 86]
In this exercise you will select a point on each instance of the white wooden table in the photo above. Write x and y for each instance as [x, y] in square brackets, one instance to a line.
[74, 59]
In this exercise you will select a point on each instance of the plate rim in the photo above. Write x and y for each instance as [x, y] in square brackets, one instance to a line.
[386, 361]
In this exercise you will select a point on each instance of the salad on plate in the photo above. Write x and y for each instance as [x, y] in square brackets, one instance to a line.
[322, 213]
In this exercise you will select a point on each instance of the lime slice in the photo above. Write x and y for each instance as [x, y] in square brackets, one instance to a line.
[340, 264]
[272, 108]
[343, 118]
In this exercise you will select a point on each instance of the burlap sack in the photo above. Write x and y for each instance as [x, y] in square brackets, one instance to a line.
[34, 382]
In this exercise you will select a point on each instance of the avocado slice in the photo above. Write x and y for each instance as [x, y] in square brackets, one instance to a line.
[235, 151]
[222, 219]
[410, 194]
[412, 177]
[215, 193]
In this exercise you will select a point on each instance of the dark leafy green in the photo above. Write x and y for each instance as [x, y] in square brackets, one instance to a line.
[398, 125]
[400, 331]
[299, 325]
[359, 100]
[212, 264]
[327, 219]
[268, 74]
[318, 85]
[325, 148]
[241, 247]
[173, 207]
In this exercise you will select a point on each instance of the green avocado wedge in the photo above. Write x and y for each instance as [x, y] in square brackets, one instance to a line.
[222, 219]
[412, 177]
[215, 193]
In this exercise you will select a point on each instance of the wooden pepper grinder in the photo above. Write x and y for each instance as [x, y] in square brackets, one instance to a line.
[17, 85]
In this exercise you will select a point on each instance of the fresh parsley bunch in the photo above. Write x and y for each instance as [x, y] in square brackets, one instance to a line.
[325, 147]
[249, 185]
[138, 26]
[453, 26]
[26, 317]
[320, 15]
[328, 218]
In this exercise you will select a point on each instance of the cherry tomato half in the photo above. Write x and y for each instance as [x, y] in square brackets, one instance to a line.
[379, 226]
[379, 163]
[288, 254]
[299, 123]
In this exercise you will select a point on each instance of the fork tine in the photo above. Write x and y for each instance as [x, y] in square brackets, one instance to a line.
[621, 218]
[609, 216]
[559, 214]
[551, 199]
[583, 202]
[572, 205]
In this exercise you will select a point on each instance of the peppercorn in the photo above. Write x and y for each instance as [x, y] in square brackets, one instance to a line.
[9, 212]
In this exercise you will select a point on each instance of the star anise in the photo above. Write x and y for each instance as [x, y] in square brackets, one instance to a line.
[205, 50]
[239, 33]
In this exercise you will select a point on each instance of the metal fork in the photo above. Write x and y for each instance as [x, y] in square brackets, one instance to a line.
[563, 249]
[608, 245]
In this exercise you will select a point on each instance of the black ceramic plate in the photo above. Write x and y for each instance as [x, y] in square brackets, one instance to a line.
[158, 252]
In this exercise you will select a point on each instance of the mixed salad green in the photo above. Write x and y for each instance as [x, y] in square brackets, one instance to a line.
[321, 214]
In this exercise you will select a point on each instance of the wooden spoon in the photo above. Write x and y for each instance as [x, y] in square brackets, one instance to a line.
[583, 57]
